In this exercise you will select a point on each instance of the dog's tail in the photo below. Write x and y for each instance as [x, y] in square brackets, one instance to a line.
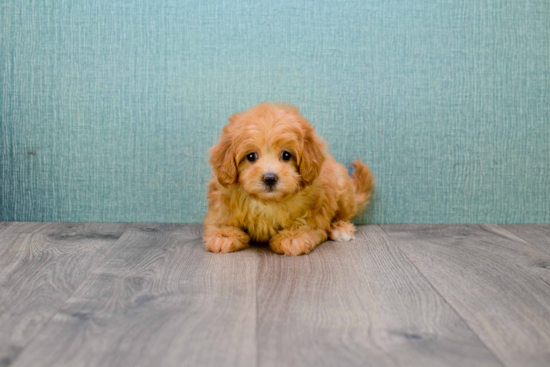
[363, 182]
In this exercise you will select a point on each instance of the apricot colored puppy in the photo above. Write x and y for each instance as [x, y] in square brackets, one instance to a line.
[273, 181]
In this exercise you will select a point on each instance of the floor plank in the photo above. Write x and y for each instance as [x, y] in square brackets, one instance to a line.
[537, 235]
[498, 283]
[360, 303]
[158, 299]
[39, 270]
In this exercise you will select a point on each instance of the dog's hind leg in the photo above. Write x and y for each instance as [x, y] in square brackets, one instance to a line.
[341, 231]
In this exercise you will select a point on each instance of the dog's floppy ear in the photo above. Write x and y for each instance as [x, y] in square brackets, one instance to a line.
[222, 159]
[312, 156]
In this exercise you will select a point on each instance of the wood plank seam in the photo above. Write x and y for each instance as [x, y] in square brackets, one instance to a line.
[442, 297]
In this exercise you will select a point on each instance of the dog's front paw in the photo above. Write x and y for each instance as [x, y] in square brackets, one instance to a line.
[224, 239]
[294, 244]
[223, 244]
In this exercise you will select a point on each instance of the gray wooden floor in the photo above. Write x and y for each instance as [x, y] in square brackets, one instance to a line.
[84, 294]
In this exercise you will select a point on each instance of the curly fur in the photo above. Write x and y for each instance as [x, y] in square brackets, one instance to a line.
[313, 199]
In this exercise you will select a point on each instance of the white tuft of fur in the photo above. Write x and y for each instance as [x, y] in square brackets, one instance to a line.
[341, 235]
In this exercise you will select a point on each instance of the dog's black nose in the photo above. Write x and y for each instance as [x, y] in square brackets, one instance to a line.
[270, 179]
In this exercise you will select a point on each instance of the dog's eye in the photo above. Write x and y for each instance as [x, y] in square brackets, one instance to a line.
[286, 156]
[252, 157]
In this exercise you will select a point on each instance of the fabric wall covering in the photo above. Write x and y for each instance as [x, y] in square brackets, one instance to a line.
[108, 108]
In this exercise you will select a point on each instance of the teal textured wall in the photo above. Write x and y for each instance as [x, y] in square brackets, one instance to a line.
[108, 107]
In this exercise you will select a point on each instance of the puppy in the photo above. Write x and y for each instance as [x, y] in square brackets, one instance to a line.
[273, 181]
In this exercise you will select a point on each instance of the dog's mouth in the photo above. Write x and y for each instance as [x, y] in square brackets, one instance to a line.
[270, 189]
[272, 192]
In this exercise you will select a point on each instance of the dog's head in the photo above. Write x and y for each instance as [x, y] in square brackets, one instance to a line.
[271, 151]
